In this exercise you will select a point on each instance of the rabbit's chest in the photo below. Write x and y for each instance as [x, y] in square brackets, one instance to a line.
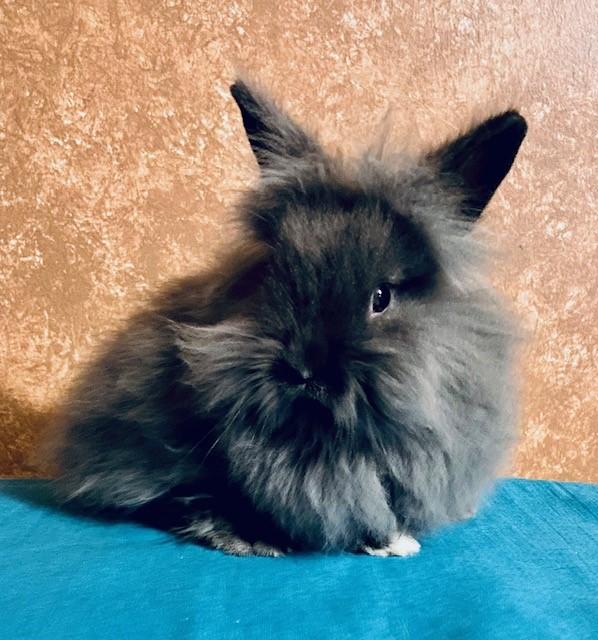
[323, 503]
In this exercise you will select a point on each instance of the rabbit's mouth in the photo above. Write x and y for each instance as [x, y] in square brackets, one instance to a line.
[321, 386]
[311, 392]
[315, 390]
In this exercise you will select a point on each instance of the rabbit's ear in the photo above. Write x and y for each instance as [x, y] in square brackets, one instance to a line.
[273, 136]
[479, 160]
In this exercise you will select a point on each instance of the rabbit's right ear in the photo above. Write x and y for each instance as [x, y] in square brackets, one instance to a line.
[480, 159]
[273, 136]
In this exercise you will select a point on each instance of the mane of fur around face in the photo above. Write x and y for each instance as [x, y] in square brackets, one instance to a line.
[186, 395]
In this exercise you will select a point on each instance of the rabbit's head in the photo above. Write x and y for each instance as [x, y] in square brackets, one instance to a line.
[363, 310]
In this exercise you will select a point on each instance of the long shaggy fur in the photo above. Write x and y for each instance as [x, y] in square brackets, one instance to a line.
[193, 414]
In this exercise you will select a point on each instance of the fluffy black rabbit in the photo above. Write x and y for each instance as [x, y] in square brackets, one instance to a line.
[342, 381]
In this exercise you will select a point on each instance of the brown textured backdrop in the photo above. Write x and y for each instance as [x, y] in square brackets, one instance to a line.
[121, 154]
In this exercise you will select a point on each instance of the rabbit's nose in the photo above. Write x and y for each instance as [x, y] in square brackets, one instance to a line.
[310, 364]
[290, 374]
[303, 365]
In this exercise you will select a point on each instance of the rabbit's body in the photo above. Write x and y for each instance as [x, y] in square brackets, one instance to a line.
[343, 379]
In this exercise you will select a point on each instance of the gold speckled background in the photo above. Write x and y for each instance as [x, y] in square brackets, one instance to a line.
[121, 155]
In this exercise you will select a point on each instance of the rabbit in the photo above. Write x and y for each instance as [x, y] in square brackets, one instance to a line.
[342, 381]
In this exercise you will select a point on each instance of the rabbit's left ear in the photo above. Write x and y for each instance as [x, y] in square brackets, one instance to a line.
[273, 136]
[479, 160]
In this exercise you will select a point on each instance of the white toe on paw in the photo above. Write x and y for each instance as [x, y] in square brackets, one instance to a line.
[381, 553]
[403, 545]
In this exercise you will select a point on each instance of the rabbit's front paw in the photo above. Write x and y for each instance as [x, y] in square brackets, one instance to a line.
[401, 544]
[215, 532]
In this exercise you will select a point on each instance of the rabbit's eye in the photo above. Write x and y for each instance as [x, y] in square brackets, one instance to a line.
[380, 298]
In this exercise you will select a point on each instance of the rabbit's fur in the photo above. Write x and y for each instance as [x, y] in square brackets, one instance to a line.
[275, 403]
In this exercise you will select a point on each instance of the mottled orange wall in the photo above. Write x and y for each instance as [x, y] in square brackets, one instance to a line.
[121, 154]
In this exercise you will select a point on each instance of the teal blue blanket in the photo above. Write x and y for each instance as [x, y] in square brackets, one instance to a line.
[526, 568]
